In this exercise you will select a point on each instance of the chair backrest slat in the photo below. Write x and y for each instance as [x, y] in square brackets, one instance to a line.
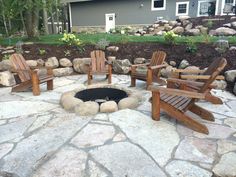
[157, 59]
[21, 67]
[98, 60]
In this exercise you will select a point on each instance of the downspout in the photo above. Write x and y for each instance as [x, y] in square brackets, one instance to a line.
[70, 18]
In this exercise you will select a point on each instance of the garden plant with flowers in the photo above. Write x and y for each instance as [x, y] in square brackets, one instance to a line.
[170, 37]
[70, 39]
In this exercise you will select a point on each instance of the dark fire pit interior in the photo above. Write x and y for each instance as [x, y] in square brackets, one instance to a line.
[101, 95]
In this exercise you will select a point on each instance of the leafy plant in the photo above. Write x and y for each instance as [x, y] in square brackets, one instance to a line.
[67, 53]
[102, 44]
[70, 39]
[207, 38]
[42, 52]
[191, 46]
[209, 24]
[170, 37]
[6, 57]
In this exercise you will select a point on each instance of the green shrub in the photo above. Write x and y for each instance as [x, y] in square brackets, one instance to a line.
[6, 57]
[191, 46]
[102, 44]
[67, 53]
[170, 37]
[42, 52]
[70, 39]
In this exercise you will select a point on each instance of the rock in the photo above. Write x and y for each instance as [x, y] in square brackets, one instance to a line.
[112, 49]
[5, 65]
[32, 63]
[225, 146]
[234, 90]
[181, 18]
[190, 68]
[68, 101]
[189, 26]
[81, 65]
[143, 131]
[8, 51]
[225, 31]
[109, 106]
[139, 60]
[182, 168]
[203, 30]
[155, 25]
[129, 160]
[178, 30]
[52, 62]
[111, 59]
[193, 32]
[212, 33]
[128, 103]
[172, 23]
[183, 64]
[222, 45]
[87, 108]
[227, 25]
[58, 72]
[166, 72]
[185, 22]
[167, 27]
[206, 150]
[232, 48]
[69, 161]
[230, 75]
[226, 165]
[65, 62]
[40, 62]
[220, 84]
[27, 51]
[233, 24]
[85, 138]
[7, 78]
[121, 66]
[173, 63]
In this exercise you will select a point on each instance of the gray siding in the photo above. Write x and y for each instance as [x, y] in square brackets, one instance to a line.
[128, 12]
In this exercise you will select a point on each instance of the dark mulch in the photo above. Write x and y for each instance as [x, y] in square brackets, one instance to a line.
[202, 58]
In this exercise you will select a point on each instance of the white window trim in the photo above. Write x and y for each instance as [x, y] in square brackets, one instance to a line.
[160, 8]
[177, 8]
[222, 8]
[198, 7]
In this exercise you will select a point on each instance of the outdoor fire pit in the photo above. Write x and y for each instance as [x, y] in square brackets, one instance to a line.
[104, 99]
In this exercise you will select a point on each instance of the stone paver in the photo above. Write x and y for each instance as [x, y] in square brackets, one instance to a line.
[38, 138]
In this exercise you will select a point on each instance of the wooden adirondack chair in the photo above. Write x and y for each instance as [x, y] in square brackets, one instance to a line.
[153, 70]
[194, 75]
[98, 66]
[28, 77]
[176, 102]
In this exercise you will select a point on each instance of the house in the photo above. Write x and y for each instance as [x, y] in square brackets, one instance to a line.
[103, 15]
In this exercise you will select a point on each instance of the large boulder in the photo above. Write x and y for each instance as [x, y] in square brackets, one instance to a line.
[189, 26]
[40, 62]
[112, 49]
[32, 63]
[167, 72]
[233, 24]
[108, 106]
[128, 103]
[220, 84]
[68, 101]
[230, 75]
[173, 23]
[225, 31]
[193, 32]
[58, 72]
[7, 78]
[139, 60]
[81, 65]
[52, 62]
[167, 27]
[87, 108]
[65, 62]
[121, 66]
[178, 30]
[5, 65]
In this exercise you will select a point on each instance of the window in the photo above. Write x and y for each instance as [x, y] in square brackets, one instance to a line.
[227, 6]
[158, 4]
[182, 8]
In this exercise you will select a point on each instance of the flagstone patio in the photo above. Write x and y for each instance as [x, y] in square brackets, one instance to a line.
[38, 138]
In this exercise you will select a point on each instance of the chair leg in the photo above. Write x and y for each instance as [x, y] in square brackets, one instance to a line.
[180, 116]
[89, 79]
[109, 79]
[50, 85]
[149, 78]
[35, 84]
[133, 81]
[213, 99]
[203, 113]
[155, 105]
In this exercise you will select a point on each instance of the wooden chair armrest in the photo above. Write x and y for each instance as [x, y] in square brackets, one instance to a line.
[187, 82]
[192, 71]
[203, 77]
[157, 66]
[144, 64]
[177, 92]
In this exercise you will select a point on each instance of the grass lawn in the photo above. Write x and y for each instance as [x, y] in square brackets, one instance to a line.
[113, 38]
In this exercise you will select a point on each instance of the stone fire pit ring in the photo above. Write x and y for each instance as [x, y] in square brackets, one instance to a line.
[70, 100]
